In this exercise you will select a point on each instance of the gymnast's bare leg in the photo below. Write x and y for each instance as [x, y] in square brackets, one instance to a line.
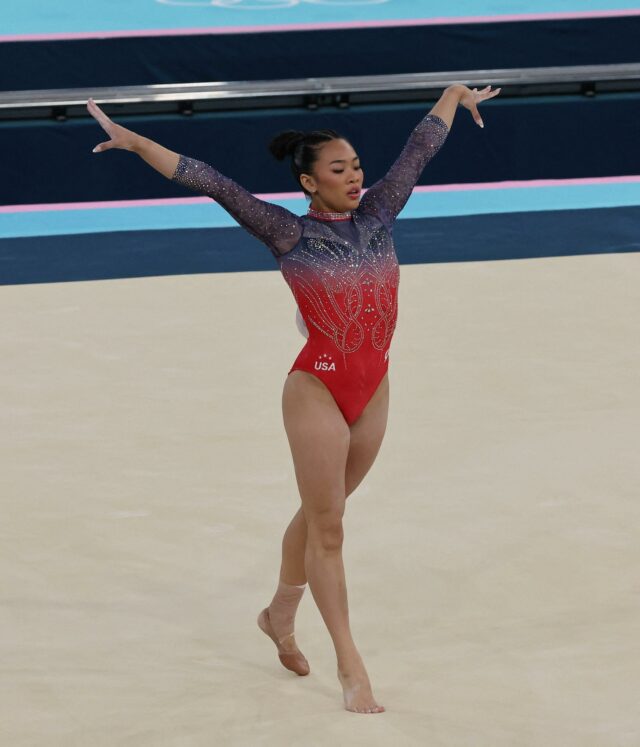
[366, 438]
[330, 460]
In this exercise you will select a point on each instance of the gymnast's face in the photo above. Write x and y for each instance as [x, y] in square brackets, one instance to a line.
[336, 181]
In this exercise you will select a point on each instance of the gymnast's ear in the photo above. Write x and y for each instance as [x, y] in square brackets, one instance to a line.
[308, 183]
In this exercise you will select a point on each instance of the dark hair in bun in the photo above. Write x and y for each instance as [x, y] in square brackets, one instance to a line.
[303, 148]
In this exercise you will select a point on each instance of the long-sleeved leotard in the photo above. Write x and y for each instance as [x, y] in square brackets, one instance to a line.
[343, 272]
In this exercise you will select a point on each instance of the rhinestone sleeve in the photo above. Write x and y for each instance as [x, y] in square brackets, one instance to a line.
[275, 226]
[388, 196]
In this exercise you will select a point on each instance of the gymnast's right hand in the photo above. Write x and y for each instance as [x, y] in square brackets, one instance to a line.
[120, 136]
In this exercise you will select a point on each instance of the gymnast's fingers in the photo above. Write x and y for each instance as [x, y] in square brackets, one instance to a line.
[97, 113]
[103, 146]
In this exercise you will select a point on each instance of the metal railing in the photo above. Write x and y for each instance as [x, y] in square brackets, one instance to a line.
[187, 98]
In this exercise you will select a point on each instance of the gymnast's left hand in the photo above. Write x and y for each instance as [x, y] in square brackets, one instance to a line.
[470, 98]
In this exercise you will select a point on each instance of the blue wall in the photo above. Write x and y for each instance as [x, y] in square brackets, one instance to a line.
[185, 59]
[563, 137]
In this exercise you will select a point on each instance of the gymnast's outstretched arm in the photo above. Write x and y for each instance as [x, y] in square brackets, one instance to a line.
[388, 196]
[276, 226]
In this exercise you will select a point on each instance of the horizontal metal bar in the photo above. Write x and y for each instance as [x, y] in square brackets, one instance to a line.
[275, 89]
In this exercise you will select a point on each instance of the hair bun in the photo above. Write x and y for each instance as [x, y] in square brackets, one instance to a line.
[285, 143]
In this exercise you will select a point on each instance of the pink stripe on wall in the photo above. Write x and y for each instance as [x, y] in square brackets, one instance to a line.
[112, 204]
[557, 15]
[528, 183]
[52, 206]
[269, 196]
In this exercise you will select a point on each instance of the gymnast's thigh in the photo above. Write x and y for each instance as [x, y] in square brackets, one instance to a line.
[319, 439]
[366, 436]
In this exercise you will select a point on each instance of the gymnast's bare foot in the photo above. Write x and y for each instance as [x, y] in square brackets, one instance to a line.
[357, 689]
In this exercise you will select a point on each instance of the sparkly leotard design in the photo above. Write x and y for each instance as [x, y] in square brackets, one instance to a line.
[342, 268]
[344, 277]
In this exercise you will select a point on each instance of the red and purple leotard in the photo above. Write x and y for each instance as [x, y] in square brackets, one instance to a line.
[342, 268]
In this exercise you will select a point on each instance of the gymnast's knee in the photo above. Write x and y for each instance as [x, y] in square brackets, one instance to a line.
[325, 531]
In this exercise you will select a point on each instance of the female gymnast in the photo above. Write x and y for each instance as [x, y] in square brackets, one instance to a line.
[340, 263]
